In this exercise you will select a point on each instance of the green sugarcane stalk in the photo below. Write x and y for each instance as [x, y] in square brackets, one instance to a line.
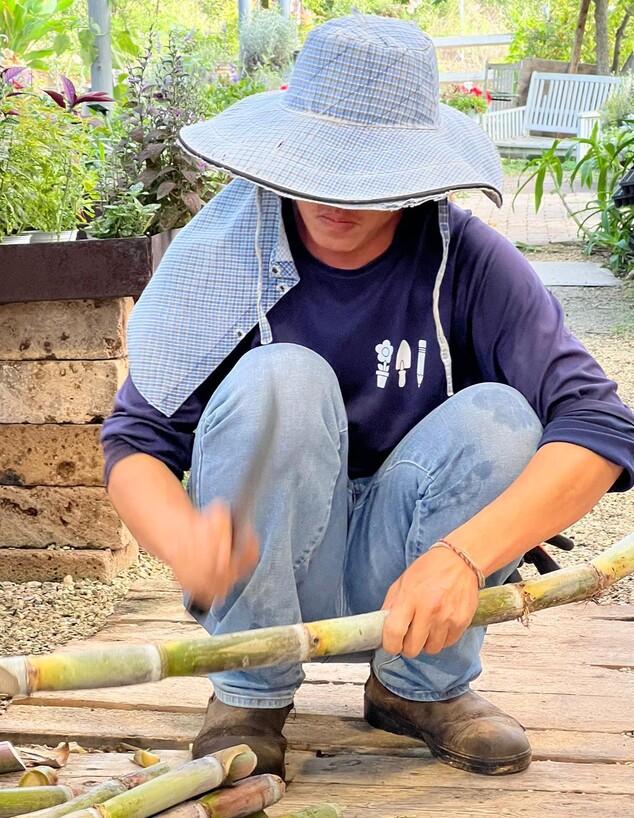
[135, 664]
[100, 792]
[18, 800]
[247, 797]
[41, 776]
[187, 781]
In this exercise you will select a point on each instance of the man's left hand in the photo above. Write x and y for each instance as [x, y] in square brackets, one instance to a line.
[430, 605]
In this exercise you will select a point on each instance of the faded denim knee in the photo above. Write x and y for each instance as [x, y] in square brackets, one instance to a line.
[499, 419]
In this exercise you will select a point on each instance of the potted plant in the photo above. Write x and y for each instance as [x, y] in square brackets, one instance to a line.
[471, 101]
[119, 181]
[46, 185]
[49, 181]
[132, 185]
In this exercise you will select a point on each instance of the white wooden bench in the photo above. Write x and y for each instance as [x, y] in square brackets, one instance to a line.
[558, 105]
[500, 80]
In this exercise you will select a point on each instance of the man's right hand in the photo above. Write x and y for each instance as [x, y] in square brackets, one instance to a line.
[208, 559]
[199, 545]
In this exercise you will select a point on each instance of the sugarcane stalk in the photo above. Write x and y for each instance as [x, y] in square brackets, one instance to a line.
[135, 664]
[10, 761]
[144, 758]
[39, 777]
[187, 781]
[100, 792]
[244, 799]
[18, 800]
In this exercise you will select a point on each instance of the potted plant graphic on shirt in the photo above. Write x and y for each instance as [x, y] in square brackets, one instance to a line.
[384, 350]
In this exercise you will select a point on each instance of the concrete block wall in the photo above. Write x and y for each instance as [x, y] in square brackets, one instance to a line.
[61, 363]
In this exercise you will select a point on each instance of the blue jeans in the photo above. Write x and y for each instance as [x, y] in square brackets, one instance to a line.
[330, 546]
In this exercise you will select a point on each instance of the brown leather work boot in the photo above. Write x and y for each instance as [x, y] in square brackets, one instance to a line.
[225, 726]
[466, 732]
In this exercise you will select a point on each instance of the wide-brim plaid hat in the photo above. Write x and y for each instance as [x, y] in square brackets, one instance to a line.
[360, 125]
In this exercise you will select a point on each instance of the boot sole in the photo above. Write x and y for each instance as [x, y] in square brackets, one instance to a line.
[384, 720]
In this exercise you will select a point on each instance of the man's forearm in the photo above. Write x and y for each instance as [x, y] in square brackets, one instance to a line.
[559, 486]
[151, 501]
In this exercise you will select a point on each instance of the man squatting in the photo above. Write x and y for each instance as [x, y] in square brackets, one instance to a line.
[436, 419]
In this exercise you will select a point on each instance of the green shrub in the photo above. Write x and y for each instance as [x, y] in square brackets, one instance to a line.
[268, 40]
[45, 181]
[166, 91]
[620, 105]
[128, 217]
[602, 225]
[225, 90]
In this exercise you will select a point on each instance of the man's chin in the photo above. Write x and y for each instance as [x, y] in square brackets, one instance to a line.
[340, 244]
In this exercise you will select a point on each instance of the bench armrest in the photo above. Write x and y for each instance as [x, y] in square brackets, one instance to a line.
[506, 124]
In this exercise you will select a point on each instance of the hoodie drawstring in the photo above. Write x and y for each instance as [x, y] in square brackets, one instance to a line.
[266, 335]
[445, 353]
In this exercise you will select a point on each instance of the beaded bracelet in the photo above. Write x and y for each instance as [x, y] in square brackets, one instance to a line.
[442, 543]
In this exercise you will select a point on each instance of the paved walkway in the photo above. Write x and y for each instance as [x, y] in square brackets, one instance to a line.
[517, 219]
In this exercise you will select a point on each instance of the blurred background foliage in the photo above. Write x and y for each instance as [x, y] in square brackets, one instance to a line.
[54, 35]
[179, 61]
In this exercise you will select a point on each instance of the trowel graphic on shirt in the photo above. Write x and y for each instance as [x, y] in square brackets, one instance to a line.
[403, 361]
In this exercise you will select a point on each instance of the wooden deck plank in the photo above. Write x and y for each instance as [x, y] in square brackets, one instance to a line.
[581, 632]
[83, 769]
[420, 773]
[106, 729]
[163, 601]
[385, 802]
[399, 774]
[418, 789]
[538, 711]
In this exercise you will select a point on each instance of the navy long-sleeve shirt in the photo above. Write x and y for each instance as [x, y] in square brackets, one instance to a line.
[375, 327]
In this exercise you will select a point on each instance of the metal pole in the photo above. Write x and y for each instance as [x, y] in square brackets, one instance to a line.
[286, 7]
[99, 23]
[244, 11]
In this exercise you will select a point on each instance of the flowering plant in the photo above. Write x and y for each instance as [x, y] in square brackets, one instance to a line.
[468, 100]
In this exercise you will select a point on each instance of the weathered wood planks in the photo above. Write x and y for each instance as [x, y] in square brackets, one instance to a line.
[578, 710]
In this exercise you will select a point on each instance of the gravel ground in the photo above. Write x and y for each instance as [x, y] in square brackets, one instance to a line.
[36, 617]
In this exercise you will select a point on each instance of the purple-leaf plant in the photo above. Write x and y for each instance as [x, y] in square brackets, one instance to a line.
[9, 77]
[68, 99]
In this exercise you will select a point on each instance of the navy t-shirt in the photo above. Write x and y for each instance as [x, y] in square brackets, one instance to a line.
[375, 327]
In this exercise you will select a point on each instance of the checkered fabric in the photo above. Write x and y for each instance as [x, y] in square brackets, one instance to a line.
[204, 296]
[209, 291]
[361, 124]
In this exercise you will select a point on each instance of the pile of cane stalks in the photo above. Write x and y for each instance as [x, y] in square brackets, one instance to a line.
[219, 785]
